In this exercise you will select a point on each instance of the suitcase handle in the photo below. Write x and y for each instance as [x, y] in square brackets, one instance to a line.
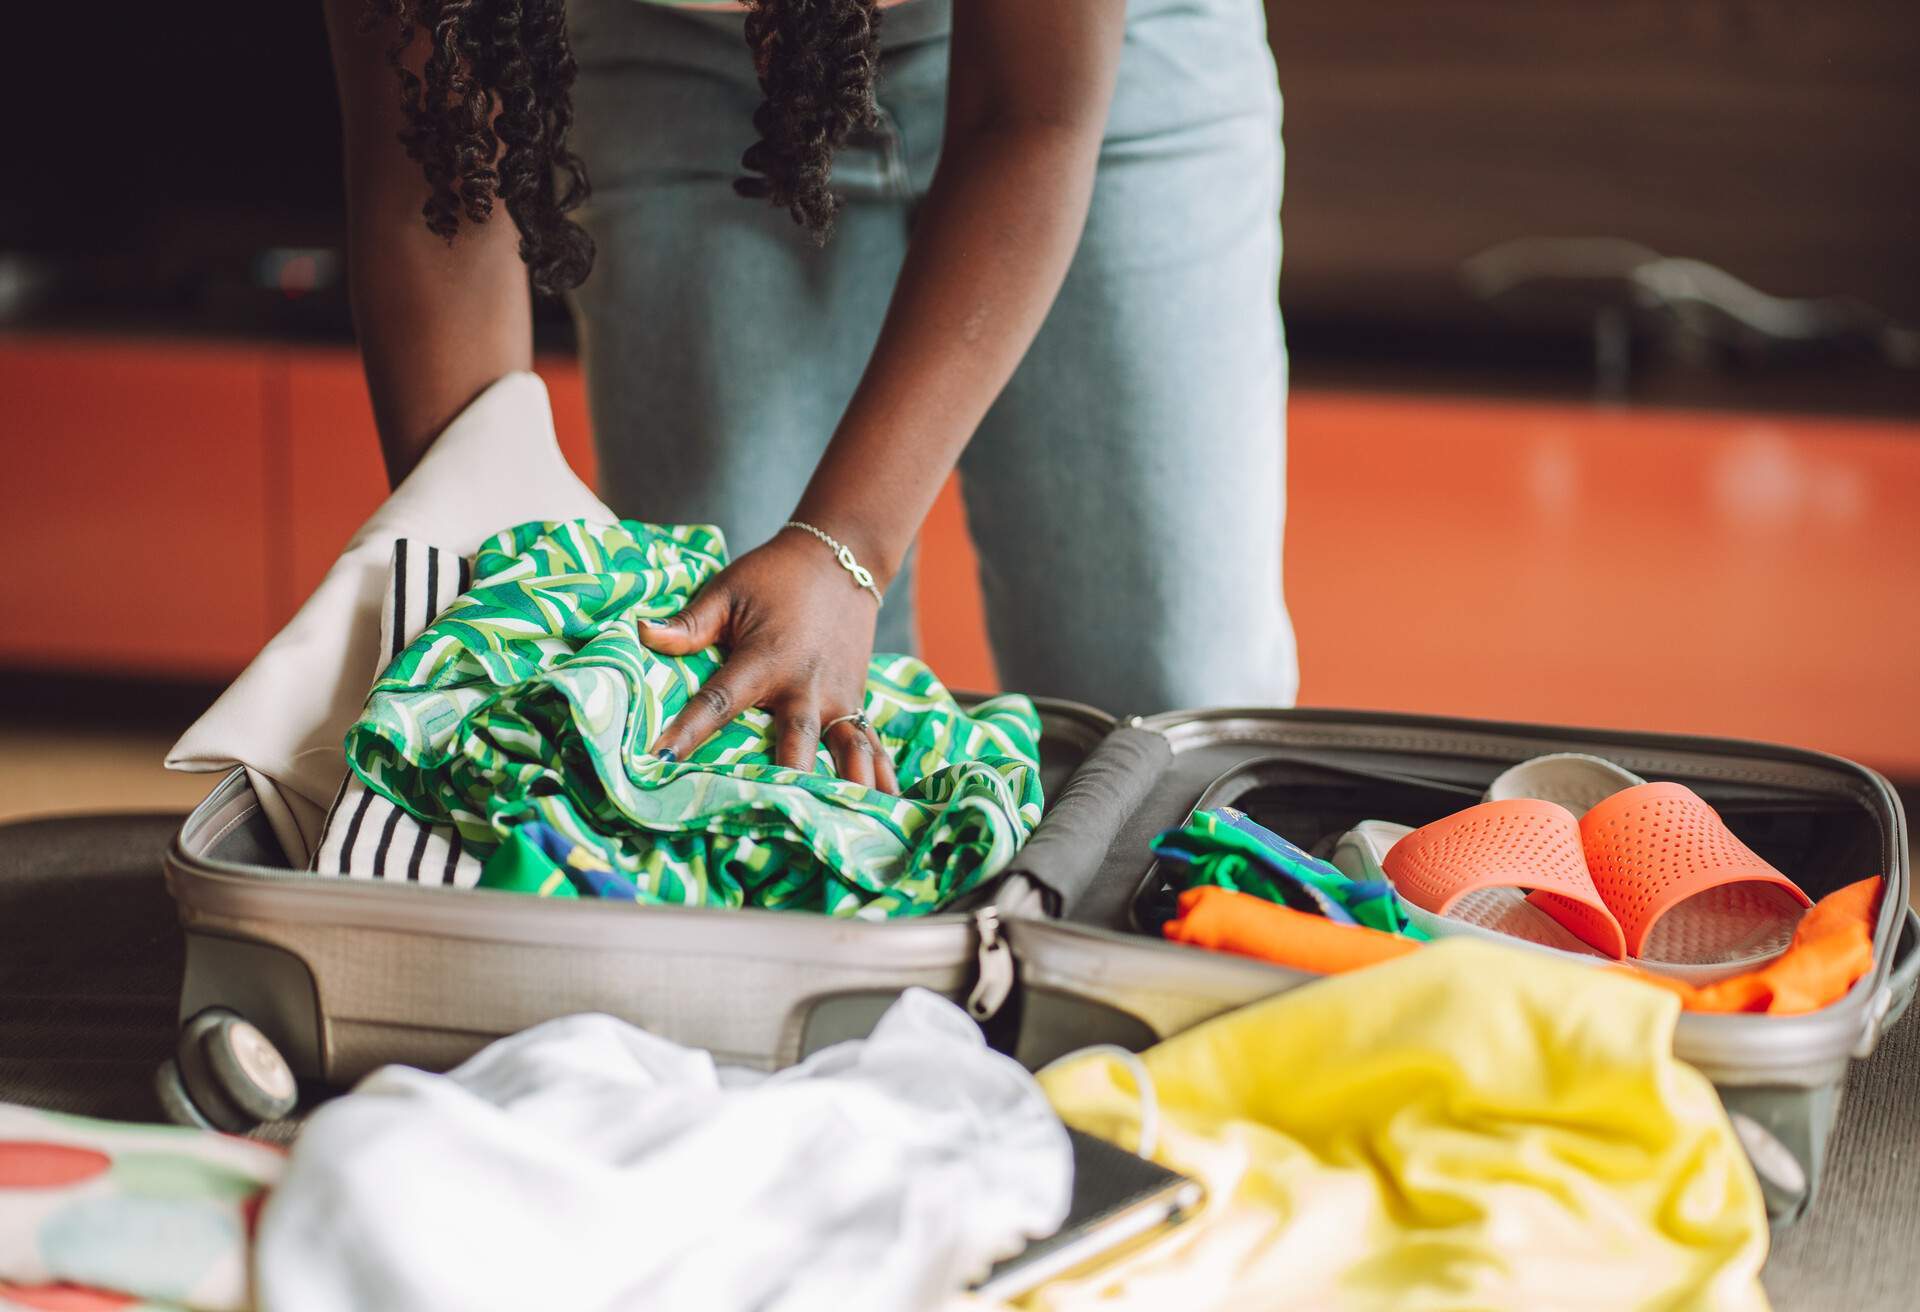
[1063, 857]
[1896, 995]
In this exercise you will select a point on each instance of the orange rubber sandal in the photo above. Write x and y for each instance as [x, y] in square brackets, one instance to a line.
[1513, 868]
[1651, 875]
[1361, 853]
[1694, 900]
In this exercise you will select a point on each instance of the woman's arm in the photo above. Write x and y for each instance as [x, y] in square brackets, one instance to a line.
[1027, 108]
[437, 322]
[1026, 111]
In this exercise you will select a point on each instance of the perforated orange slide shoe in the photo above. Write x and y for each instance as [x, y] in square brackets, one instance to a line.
[1511, 868]
[1695, 902]
[1651, 875]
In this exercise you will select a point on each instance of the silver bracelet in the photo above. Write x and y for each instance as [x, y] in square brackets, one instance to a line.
[842, 553]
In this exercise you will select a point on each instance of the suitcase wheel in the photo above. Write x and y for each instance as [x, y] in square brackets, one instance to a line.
[174, 1102]
[225, 1075]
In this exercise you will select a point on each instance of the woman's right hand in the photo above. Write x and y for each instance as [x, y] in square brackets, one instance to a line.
[798, 638]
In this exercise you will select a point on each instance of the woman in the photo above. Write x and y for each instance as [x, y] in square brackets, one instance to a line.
[1037, 239]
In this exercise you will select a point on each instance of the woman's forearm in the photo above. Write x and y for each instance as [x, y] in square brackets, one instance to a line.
[437, 322]
[1027, 108]
[989, 252]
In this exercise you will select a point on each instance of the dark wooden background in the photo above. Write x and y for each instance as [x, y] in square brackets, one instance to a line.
[1773, 138]
[159, 149]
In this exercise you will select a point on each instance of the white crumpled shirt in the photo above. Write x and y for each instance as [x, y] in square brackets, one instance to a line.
[586, 1164]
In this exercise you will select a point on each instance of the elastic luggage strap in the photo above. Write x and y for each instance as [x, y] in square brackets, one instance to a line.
[1144, 1089]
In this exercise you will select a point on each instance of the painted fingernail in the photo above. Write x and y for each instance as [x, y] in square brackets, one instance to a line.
[668, 756]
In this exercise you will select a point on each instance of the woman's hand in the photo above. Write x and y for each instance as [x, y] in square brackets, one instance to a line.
[798, 636]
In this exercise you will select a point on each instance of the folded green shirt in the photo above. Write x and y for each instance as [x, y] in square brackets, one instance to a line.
[1226, 848]
[531, 698]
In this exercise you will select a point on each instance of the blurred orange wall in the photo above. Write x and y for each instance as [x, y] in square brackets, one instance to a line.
[1755, 576]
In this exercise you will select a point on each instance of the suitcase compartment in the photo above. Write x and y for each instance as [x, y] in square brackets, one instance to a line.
[1089, 974]
[346, 975]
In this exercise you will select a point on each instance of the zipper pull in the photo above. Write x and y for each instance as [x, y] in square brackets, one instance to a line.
[993, 982]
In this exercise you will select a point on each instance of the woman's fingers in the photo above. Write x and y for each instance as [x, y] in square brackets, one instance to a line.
[852, 748]
[783, 644]
[733, 688]
[697, 627]
[798, 741]
[884, 777]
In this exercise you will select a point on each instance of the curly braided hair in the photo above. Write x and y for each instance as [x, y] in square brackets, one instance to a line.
[488, 116]
[817, 60]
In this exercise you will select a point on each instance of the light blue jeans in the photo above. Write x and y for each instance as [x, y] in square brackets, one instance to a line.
[1125, 493]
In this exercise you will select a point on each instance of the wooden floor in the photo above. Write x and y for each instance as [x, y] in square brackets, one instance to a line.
[49, 770]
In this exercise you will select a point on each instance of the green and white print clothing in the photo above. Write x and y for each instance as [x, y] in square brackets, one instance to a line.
[531, 697]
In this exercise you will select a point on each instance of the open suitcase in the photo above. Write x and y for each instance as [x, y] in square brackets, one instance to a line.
[343, 976]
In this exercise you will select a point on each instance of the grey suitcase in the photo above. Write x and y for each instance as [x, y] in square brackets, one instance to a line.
[346, 975]
[343, 976]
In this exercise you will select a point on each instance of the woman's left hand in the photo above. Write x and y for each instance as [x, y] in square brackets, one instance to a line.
[798, 636]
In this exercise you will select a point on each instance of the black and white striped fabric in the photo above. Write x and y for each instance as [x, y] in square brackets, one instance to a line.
[366, 836]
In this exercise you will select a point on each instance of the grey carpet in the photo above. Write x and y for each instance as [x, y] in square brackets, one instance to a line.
[90, 960]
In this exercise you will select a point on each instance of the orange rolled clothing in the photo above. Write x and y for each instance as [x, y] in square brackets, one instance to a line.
[1831, 949]
[1254, 927]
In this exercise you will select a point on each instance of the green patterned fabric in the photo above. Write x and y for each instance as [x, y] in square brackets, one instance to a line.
[1225, 848]
[531, 698]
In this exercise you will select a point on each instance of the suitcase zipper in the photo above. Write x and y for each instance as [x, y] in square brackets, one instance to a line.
[993, 981]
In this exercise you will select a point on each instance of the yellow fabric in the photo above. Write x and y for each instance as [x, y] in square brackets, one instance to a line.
[1470, 1126]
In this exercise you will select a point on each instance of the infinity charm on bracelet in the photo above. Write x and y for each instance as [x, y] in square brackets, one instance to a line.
[842, 553]
[861, 574]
